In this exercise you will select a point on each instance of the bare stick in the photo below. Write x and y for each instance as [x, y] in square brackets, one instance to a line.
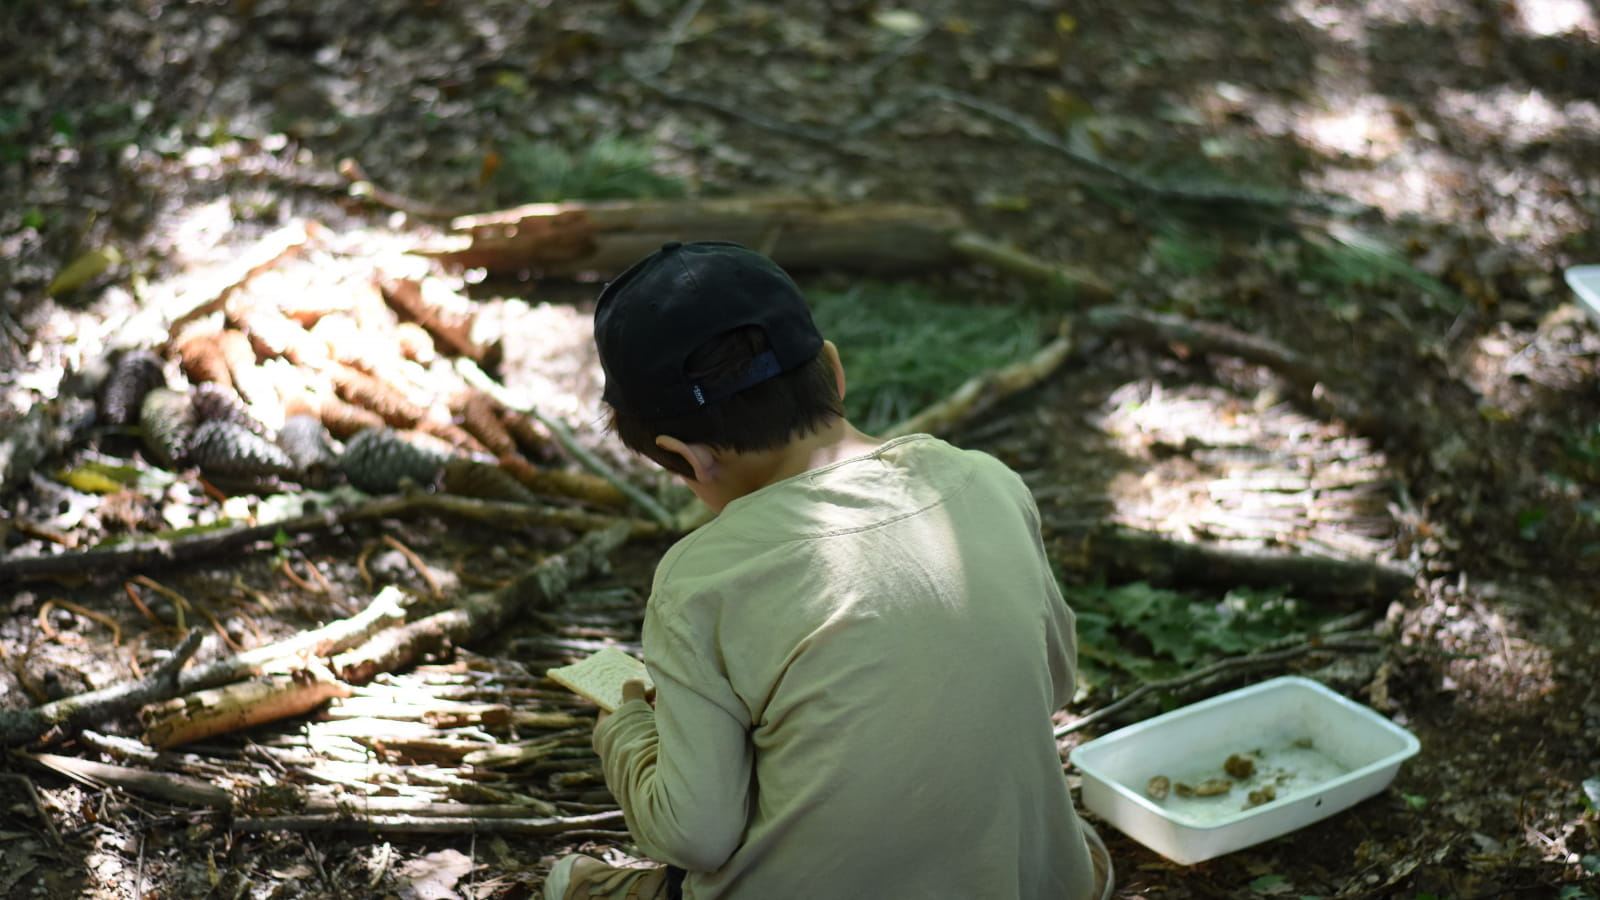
[431, 824]
[982, 392]
[180, 789]
[25, 726]
[1332, 643]
[481, 380]
[1014, 261]
[158, 552]
[1207, 337]
[385, 611]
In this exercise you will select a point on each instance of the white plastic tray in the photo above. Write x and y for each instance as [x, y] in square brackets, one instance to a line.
[1320, 752]
[1585, 282]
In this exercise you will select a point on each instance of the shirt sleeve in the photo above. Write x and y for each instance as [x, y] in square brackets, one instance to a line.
[1060, 623]
[681, 771]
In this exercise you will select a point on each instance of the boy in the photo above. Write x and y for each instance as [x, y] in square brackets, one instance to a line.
[857, 660]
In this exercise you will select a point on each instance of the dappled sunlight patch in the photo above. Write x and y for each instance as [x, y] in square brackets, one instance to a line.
[1517, 117]
[1514, 371]
[1220, 467]
[1544, 18]
[1365, 128]
[1492, 660]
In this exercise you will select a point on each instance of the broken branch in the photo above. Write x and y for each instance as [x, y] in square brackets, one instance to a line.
[982, 392]
[1126, 555]
[158, 552]
[1330, 643]
[25, 726]
[564, 436]
[407, 824]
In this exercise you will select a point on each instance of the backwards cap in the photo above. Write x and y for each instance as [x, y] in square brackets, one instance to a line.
[660, 310]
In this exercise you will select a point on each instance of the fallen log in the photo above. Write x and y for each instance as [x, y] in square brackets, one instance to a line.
[567, 239]
[1125, 555]
[145, 553]
[220, 710]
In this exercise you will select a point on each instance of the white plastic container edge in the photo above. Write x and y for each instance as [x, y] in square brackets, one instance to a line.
[1116, 766]
[1585, 282]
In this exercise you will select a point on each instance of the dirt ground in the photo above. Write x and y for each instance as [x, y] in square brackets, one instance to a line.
[1221, 162]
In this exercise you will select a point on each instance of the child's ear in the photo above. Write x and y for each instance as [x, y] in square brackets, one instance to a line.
[832, 354]
[701, 458]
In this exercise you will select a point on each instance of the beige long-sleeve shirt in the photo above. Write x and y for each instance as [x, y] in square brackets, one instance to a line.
[855, 670]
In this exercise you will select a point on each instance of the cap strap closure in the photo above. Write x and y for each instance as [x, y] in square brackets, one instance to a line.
[760, 369]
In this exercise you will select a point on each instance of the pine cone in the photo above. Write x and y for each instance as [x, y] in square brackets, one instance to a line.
[166, 425]
[375, 394]
[233, 452]
[347, 420]
[471, 478]
[201, 358]
[135, 374]
[215, 403]
[377, 460]
[308, 444]
[480, 416]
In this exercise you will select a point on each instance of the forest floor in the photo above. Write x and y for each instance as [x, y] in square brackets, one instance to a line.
[1390, 190]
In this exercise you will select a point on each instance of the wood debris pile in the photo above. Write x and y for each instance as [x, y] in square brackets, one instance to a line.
[262, 384]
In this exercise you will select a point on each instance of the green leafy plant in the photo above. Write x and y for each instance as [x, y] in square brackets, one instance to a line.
[904, 349]
[1155, 632]
[608, 168]
[1270, 885]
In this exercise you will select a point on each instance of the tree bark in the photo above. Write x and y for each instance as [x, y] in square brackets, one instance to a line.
[24, 726]
[566, 239]
[1126, 555]
[155, 552]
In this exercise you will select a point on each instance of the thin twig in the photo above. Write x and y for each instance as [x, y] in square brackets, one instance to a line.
[429, 824]
[38, 807]
[416, 563]
[664, 46]
[918, 98]
[102, 618]
[1332, 643]
[480, 379]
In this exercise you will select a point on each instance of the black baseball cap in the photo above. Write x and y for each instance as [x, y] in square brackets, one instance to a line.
[661, 309]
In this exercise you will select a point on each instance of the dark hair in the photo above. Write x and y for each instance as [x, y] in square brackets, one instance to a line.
[764, 416]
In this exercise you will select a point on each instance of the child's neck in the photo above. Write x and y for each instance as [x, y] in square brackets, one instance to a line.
[747, 473]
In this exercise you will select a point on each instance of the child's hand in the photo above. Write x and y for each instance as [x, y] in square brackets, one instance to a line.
[632, 689]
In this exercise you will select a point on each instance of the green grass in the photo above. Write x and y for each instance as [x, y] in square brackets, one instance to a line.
[1348, 258]
[904, 349]
[1185, 252]
[609, 168]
